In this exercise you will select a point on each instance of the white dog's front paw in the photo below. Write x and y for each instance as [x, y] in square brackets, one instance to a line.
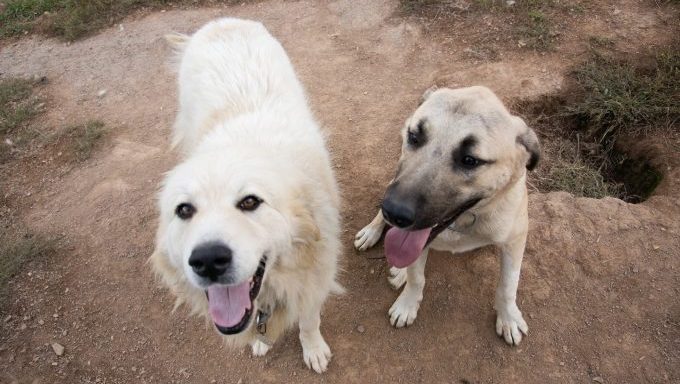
[367, 237]
[397, 277]
[260, 348]
[317, 355]
[511, 325]
[404, 310]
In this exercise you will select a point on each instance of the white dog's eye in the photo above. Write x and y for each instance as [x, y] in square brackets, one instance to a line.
[249, 203]
[185, 211]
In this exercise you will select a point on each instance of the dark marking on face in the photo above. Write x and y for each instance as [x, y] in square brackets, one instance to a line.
[416, 136]
[463, 152]
[463, 157]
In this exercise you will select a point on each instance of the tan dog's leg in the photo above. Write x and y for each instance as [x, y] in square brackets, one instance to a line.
[315, 351]
[370, 234]
[509, 321]
[405, 309]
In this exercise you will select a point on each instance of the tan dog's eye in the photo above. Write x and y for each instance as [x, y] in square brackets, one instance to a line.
[469, 162]
[249, 203]
[185, 211]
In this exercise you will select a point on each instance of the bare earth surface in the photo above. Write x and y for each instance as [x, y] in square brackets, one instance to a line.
[600, 284]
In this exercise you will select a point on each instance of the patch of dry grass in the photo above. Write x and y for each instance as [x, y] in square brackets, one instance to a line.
[531, 21]
[83, 139]
[609, 101]
[17, 104]
[17, 250]
[73, 19]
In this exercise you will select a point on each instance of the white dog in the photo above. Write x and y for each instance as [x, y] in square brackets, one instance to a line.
[249, 224]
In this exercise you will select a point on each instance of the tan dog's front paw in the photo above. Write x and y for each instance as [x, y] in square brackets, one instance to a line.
[510, 325]
[397, 277]
[404, 310]
[367, 237]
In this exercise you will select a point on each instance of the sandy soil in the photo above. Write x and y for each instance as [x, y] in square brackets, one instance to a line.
[600, 282]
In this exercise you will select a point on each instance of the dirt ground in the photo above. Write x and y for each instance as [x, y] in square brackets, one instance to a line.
[600, 284]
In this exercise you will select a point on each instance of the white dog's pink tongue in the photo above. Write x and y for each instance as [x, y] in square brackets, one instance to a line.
[402, 248]
[228, 304]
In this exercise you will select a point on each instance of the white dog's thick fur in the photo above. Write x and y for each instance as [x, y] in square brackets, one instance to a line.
[248, 140]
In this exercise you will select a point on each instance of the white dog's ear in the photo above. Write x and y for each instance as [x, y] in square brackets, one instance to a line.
[428, 92]
[528, 139]
[177, 41]
[305, 232]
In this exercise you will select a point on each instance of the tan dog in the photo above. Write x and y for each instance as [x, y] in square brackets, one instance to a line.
[460, 185]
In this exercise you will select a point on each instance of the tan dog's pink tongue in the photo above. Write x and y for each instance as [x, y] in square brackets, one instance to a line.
[402, 248]
[228, 304]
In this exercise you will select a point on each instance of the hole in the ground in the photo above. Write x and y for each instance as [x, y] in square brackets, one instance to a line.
[602, 133]
[636, 174]
[582, 167]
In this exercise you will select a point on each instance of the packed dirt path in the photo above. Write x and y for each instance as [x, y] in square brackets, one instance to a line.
[600, 285]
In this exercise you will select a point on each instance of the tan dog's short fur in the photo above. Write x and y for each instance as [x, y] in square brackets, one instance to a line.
[461, 147]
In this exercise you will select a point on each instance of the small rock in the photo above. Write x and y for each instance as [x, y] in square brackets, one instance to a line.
[521, 43]
[561, 363]
[531, 315]
[41, 322]
[102, 93]
[616, 11]
[361, 329]
[372, 271]
[8, 318]
[58, 349]
[23, 326]
[56, 315]
[9, 142]
[636, 270]
[510, 3]
[240, 381]
[655, 247]
[598, 379]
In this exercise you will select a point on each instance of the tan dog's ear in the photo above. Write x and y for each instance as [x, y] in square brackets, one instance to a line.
[529, 141]
[427, 93]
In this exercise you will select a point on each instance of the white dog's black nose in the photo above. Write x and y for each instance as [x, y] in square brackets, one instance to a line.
[210, 260]
[398, 213]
